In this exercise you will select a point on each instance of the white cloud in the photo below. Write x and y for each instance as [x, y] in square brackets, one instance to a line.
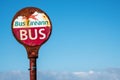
[108, 74]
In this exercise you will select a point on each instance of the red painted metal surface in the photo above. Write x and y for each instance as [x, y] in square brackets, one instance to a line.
[32, 36]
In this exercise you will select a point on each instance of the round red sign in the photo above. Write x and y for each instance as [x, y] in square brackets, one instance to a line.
[31, 26]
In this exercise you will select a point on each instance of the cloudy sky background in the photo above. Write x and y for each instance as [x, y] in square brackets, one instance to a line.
[107, 74]
[85, 41]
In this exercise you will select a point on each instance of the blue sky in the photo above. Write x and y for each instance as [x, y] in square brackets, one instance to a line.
[85, 36]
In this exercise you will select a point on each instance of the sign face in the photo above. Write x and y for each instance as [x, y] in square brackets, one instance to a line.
[31, 26]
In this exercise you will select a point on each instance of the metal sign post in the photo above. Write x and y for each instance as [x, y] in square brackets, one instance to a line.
[31, 27]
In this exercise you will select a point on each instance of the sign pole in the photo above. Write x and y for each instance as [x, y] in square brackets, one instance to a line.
[33, 68]
[32, 56]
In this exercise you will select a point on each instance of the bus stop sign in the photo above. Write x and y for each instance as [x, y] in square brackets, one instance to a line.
[31, 26]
